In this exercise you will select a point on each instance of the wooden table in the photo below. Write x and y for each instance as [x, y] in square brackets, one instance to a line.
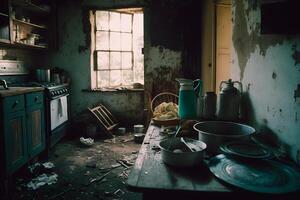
[156, 179]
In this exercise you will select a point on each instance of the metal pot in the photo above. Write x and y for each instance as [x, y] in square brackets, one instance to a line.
[181, 159]
[216, 133]
[43, 75]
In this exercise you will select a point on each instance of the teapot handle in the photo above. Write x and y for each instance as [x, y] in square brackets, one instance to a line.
[222, 82]
[240, 86]
[198, 87]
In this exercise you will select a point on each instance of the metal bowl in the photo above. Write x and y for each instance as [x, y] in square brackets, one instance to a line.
[175, 153]
[216, 133]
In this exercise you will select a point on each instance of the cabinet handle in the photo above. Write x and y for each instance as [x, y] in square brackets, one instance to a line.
[16, 103]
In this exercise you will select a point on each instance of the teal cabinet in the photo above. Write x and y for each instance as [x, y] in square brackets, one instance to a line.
[23, 125]
[35, 125]
[15, 141]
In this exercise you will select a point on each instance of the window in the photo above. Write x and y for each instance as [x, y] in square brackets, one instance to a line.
[118, 42]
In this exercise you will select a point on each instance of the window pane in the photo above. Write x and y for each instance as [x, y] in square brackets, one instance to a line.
[114, 21]
[103, 78]
[115, 41]
[102, 20]
[103, 60]
[127, 77]
[126, 22]
[126, 41]
[126, 60]
[115, 60]
[102, 40]
[115, 77]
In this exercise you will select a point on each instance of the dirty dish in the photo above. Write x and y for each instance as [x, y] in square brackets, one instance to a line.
[175, 153]
[263, 176]
[245, 149]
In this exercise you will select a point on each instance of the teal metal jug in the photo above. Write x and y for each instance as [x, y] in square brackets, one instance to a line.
[188, 95]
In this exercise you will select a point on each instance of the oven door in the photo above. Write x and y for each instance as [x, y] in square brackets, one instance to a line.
[58, 111]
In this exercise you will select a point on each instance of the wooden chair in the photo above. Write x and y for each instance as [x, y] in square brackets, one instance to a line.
[107, 121]
[163, 97]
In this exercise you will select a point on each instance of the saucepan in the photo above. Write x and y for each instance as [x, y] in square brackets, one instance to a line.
[216, 133]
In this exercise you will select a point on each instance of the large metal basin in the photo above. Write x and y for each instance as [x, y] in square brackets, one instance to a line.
[216, 133]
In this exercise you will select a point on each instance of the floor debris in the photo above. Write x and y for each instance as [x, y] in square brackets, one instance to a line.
[48, 165]
[86, 141]
[41, 180]
[84, 173]
[119, 193]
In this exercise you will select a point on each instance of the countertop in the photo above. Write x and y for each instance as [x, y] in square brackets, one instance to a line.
[12, 91]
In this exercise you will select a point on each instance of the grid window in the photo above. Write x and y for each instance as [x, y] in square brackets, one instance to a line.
[117, 48]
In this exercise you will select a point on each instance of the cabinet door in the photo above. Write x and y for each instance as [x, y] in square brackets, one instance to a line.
[35, 129]
[4, 22]
[15, 141]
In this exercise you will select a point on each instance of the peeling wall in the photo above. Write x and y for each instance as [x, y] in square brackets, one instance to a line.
[170, 42]
[269, 68]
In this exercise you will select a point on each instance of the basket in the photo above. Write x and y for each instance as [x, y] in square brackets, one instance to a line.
[169, 122]
[160, 98]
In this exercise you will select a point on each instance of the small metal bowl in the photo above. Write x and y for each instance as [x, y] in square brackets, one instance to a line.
[175, 153]
[139, 138]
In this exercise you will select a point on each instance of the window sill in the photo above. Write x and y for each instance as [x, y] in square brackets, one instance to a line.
[113, 90]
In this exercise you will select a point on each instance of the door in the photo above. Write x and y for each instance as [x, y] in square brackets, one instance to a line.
[15, 141]
[35, 129]
[223, 42]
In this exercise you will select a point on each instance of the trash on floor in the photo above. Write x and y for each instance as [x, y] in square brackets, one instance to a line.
[119, 192]
[86, 141]
[33, 167]
[48, 165]
[41, 180]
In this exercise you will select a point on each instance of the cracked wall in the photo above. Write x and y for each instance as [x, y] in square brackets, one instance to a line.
[269, 65]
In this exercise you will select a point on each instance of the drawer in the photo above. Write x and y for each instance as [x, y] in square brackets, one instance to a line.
[13, 103]
[34, 98]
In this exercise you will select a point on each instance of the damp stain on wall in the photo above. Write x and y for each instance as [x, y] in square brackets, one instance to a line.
[296, 54]
[246, 42]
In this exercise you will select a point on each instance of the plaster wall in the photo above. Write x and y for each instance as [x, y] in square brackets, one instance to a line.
[269, 69]
[166, 50]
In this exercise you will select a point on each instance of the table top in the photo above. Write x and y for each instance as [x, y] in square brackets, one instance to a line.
[150, 173]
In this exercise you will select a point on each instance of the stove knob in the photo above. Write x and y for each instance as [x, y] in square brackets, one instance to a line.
[52, 93]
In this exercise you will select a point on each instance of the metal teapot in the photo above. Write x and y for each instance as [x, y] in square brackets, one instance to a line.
[189, 93]
[229, 100]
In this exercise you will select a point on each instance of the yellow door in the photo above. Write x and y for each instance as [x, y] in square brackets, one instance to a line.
[223, 43]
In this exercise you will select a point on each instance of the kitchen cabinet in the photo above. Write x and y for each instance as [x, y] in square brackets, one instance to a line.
[27, 23]
[23, 125]
[35, 123]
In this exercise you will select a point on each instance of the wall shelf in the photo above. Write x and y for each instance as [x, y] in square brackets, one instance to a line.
[23, 45]
[31, 7]
[29, 24]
